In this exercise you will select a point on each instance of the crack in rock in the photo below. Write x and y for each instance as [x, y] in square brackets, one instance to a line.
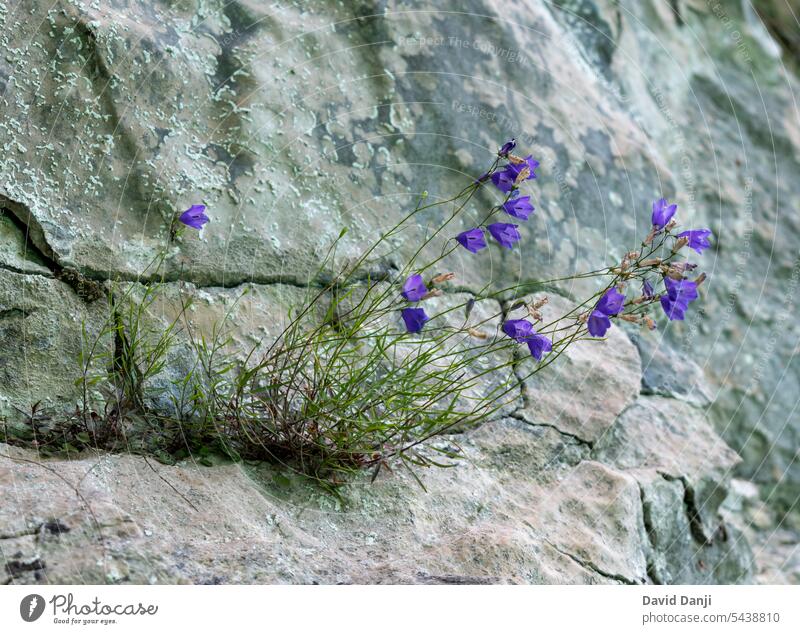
[692, 512]
[591, 566]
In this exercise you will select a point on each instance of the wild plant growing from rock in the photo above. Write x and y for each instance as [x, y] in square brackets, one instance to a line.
[373, 368]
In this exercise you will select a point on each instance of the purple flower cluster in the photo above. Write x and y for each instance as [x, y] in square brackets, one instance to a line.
[414, 290]
[679, 291]
[520, 207]
[522, 331]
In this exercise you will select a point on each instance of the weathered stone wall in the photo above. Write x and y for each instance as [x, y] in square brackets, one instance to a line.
[292, 120]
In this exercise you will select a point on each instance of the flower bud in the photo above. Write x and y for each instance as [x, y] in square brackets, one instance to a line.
[540, 302]
[435, 292]
[651, 262]
[442, 277]
[700, 279]
[634, 319]
[478, 334]
[679, 244]
[648, 321]
[516, 160]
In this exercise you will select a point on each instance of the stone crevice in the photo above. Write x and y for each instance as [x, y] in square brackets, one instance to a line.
[585, 563]
[690, 504]
[649, 528]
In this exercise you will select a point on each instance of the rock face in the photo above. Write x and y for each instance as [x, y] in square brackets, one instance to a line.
[293, 121]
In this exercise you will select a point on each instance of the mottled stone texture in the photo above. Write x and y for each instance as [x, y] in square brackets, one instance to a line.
[292, 120]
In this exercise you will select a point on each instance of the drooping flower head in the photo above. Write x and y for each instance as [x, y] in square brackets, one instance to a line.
[518, 329]
[698, 238]
[507, 147]
[519, 207]
[679, 294]
[194, 217]
[611, 302]
[414, 288]
[472, 240]
[506, 234]
[647, 290]
[662, 213]
[538, 345]
[414, 318]
[598, 323]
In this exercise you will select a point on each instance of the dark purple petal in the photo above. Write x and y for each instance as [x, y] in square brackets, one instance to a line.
[662, 213]
[519, 207]
[698, 238]
[539, 344]
[414, 288]
[530, 162]
[472, 240]
[506, 234]
[598, 324]
[194, 217]
[611, 303]
[414, 318]
[518, 329]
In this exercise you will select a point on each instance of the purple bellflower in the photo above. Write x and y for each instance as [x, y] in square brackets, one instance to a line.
[598, 323]
[506, 234]
[472, 240]
[679, 294]
[194, 217]
[662, 213]
[504, 179]
[518, 329]
[414, 288]
[507, 147]
[611, 303]
[538, 345]
[698, 238]
[414, 319]
[519, 207]
[648, 292]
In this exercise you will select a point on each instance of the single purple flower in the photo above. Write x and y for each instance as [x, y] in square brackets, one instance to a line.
[679, 294]
[518, 329]
[504, 179]
[472, 240]
[414, 288]
[414, 318]
[647, 290]
[698, 238]
[519, 207]
[539, 344]
[662, 213]
[598, 323]
[506, 234]
[611, 303]
[194, 217]
[507, 147]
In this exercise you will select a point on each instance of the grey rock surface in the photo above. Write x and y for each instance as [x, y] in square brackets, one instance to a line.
[293, 120]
